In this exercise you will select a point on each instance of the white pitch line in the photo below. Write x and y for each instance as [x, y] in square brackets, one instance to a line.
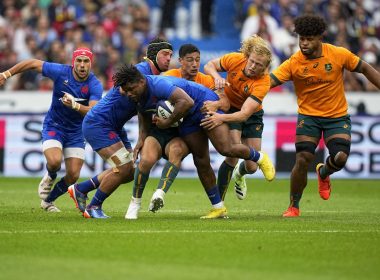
[181, 231]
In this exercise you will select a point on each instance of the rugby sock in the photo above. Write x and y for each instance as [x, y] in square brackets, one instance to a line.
[59, 189]
[253, 154]
[224, 178]
[139, 183]
[168, 175]
[214, 196]
[242, 170]
[295, 199]
[88, 185]
[52, 173]
[98, 198]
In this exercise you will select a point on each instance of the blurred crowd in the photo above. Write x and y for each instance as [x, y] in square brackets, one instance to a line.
[118, 31]
[353, 24]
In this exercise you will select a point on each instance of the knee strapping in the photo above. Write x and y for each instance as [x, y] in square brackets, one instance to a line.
[306, 146]
[119, 158]
[337, 146]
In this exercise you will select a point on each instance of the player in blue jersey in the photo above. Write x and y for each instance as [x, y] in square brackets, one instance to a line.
[76, 90]
[103, 130]
[159, 142]
[108, 119]
[146, 91]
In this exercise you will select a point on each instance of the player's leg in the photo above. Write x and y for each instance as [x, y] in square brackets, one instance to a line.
[149, 155]
[337, 136]
[227, 167]
[175, 151]
[198, 146]
[120, 160]
[223, 144]
[245, 167]
[52, 150]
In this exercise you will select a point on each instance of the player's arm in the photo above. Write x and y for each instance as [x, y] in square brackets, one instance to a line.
[213, 68]
[370, 73]
[222, 104]
[249, 107]
[28, 64]
[182, 104]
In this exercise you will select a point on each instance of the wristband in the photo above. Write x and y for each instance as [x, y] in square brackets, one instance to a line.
[76, 106]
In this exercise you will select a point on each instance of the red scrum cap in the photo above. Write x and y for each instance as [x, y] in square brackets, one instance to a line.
[81, 52]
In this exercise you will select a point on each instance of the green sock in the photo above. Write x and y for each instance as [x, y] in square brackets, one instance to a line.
[139, 183]
[224, 178]
[242, 169]
[295, 199]
[168, 175]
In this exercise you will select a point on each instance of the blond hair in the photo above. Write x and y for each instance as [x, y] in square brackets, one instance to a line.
[257, 45]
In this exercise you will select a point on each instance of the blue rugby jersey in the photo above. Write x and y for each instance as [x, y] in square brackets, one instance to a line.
[161, 88]
[144, 68]
[59, 115]
[114, 109]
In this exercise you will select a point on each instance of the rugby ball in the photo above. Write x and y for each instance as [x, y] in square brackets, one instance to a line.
[165, 109]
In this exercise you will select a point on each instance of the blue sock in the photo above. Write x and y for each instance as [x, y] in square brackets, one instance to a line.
[59, 189]
[98, 198]
[52, 173]
[253, 154]
[214, 195]
[88, 185]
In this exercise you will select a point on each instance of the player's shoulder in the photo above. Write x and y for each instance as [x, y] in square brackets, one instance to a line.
[176, 72]
[234, 56]
[332, 50]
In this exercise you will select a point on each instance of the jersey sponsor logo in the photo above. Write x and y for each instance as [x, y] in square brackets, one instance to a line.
[258, 128]
[316, 65]
[84, 89]
[328, 67]
[66, 82]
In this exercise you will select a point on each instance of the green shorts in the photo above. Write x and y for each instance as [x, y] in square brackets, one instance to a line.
[315, 126]
[251, 128]
[163, 136]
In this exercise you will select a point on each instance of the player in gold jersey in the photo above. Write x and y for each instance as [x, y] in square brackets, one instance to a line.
[317, 73]
[246, 86]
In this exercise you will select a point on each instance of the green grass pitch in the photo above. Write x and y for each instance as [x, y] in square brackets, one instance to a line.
[334, 239]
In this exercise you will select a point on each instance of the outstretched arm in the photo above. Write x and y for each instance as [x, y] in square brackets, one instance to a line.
[370, 73]
[28, 64]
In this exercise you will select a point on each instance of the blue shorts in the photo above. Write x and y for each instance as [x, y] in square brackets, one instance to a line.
[68, 139]
[192, 122]
[100, 135]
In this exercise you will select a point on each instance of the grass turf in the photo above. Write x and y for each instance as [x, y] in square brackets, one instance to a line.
[335, 239]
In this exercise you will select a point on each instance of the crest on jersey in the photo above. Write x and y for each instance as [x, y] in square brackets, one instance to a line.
[84, 89]
[246, 89]
[328, 67]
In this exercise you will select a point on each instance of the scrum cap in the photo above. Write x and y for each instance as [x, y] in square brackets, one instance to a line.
[154, 47]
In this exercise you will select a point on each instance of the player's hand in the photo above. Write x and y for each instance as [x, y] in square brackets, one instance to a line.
[212, 120]
[220, 83]
[210, 106]
[137, 149]
[69, 101]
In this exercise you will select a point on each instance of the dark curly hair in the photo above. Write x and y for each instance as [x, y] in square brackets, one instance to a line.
[309, 25]
[126, 74]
